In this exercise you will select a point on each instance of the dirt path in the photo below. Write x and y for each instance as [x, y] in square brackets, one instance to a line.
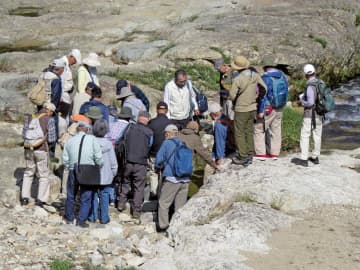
[326, 238]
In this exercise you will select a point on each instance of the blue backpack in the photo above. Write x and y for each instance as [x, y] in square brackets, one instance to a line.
[182, 160]
[279, 92]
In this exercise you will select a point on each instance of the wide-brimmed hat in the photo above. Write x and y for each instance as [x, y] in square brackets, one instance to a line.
[125, 92]
[92, 60]
[268, 61]
[94, 112]
[125, 113]
[240, 62]
[171, 128]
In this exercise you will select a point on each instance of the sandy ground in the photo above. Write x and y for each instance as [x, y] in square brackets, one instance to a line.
[326, 238]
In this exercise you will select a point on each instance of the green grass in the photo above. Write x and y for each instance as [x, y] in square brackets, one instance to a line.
[321, 41]
[27, 11]
[357, 19]
[298, 87]
[202, 76]
[197, 178]
[61, 265]
[291, 126]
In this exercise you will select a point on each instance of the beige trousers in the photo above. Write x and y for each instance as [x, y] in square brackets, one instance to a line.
[36, 162]
[170, 193]
[272, 122]
[306, 131]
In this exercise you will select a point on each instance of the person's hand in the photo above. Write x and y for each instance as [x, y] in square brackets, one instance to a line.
[260, 115]
[196, 112]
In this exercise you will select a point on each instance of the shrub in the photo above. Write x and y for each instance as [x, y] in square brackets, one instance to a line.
[357, 19]
[291, 126]
[322, 41]
[61, 265]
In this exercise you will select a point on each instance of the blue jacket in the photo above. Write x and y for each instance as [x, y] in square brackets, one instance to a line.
[104, 110]
[267, 79]
[165, 157]
[109, 169]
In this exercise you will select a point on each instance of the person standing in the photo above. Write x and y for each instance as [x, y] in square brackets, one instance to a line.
[139, 139]
[245, 90]
[269, 112]
[135, 89]
[87, 72]
[90, 154]
[36, 155]
[96, 95]
[81, 98]
[181, 99]
[128, 99]
[312, 121]
[74, 57]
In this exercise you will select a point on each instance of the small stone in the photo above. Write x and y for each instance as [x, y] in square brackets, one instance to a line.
[135, 261]
[40, 212]
[101, 234]
[96, 259]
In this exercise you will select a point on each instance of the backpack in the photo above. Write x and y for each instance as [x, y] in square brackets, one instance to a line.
[230, 136]
[70, 132]
[279, 92]
[201, 100]
[182, 160]
[121, 150]
[33, 134]
[37, 95]
[324, 100]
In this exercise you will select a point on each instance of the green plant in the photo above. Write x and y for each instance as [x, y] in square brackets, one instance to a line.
[255, 48]
[245, 197]
[291, 126]
[357, 19]
[203, 76]
[226, 58]
[58, 264]
[321, 41]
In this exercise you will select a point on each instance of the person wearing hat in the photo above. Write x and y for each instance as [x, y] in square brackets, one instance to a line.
[158, 125]
[81, 98]
[74, 57]
[173, 189]
[312, 121]
[224, 140]
[181, 99]
[138, 141]
[225, 75]
[136, 90]
[94, 113]
[118, 123]
[90, 154]
[37, 157]
[87, 71]
[128, 99]
[95, 100]
[269, 111]
[245, 89]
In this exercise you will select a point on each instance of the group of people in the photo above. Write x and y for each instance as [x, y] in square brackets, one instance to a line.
[123, 147]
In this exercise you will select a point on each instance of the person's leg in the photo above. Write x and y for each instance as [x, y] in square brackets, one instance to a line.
[317, 132]
[139, 179]
[167, 196]
[72, 188]
[65, 177]
[259, 138]
[125, 186]
[104, 203]
[249, 133]
[93, 216]
[28, 174]
[85, 203]
[304, 138]
[240, 123]
[181, 196]
[41, 160]
[275, 127]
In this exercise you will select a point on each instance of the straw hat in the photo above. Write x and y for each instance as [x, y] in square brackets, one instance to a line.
[240, 62]
[92, 60]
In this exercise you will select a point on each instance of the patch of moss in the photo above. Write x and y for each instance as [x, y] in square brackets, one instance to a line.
[28, 11]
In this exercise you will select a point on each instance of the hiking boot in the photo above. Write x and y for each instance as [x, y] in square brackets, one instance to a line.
[301, 162]
[249, 160]
[121, 206]
[240, 161]
[314, 160]
[39, 203]
[83, 225]
[24, 201]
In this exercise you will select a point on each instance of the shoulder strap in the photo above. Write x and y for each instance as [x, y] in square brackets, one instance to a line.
[238, 94]
[80, 148]
[172, 153]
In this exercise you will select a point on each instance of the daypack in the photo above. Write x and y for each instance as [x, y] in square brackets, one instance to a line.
[33, 134]
[324, 100]
[201, 100]
[121, 150]
[182, 160]
[37, 95]
[70, 132]
[280, 92]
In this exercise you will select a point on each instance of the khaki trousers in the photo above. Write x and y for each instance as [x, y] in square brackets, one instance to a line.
[272, 122]
[170, 193]
[244, 133]
[306, 131]
[36, 162]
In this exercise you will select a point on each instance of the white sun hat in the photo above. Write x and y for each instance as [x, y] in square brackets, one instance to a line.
[309, 69]
[92, 60]
[77, 55]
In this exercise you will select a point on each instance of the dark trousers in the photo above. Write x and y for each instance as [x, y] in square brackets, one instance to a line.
[181, 123]
[244, 133]
[134, 180]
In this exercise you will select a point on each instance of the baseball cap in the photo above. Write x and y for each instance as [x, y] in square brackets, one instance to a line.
[144, 114]
[58, 63]
[161, 105]
[171, 128]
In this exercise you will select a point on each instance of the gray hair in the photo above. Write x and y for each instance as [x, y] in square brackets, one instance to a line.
[100, 128]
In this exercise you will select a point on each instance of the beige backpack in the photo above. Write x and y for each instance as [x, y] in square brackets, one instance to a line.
[71, 132]
[37, 94]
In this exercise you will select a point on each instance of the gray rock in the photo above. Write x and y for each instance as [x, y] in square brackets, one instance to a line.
[40, 212]
[96, 259]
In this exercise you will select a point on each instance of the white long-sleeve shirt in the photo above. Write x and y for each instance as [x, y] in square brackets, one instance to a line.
[66, 81]
[180, 101]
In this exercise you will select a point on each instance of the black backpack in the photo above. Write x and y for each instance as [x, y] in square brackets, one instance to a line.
[121, 150]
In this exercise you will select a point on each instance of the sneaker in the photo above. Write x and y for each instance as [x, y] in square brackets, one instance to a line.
[39, 203]
[238, 161]
[261, 157]
[121, 206]
[24, 201]
[274, 157]
[314, 160]
[68, 221]
[83, 225]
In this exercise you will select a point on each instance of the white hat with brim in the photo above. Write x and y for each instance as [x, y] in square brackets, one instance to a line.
[214, 107]
[77, 55]
[49, 106]
[58, 63]
[240, 62]
[125, 92]
[171, 128]
[92, 60]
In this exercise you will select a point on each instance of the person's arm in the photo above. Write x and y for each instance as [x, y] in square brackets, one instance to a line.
[105, 112]
[51, 136]
[97, 153]
[310, 94]
[262, 87]
[204, 153]
[65, 156]
[114, 164]
[151, 140]
[56, 91]
[160, 155]
[84, 108]
[192, 96]
[262, 101]
[167, 99]
[220, 134]
[82, 79]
